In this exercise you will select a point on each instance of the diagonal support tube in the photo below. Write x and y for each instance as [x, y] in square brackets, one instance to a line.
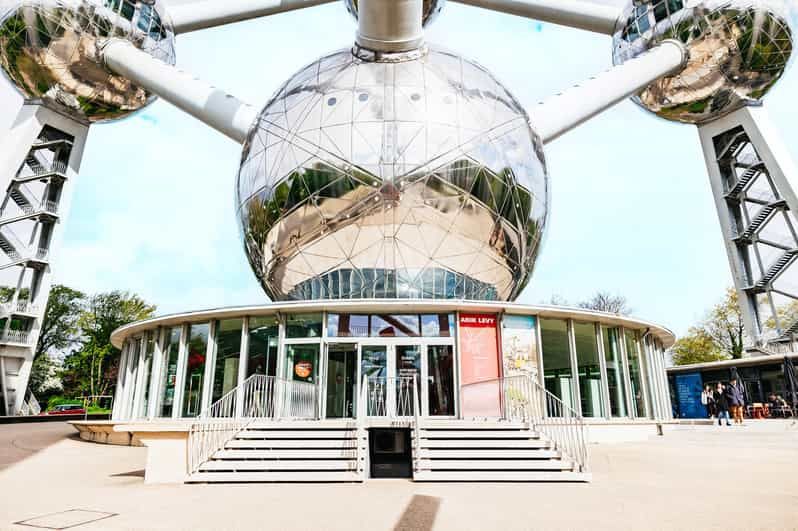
[573, 107]
[210, 105]
[579, 14]
[194, 16]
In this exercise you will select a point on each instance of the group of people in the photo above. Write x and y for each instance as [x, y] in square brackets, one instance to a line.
[725, 401]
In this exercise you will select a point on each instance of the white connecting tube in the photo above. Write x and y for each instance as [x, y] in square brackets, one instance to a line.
[195, 16]
[579, 14]
[210, 105]
[561, 113]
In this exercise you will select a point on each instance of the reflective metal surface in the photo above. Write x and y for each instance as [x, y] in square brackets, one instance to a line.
[50, 50]
[413, 179]
[738, 50]
[432, 8]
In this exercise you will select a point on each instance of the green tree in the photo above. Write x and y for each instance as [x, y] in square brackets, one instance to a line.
[719, 336]
[725, 325]
[92, 368]
[60, 323]
[696, 347]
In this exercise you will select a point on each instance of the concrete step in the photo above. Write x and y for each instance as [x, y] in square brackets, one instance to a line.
[521, 476]
[494, 464]
[478, 434]
[274, 477]
[291, 443]
[302, 424]
[484, 443]
[271, 465]
[288, 453]
[482, 453]
[250, 433]
[454, 424]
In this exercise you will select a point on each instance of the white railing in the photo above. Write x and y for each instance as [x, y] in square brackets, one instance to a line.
[258, 397]
[42, 253]
[20, 307]
[16, 336]
[362, 439]
[522, 398]
[31, 406]
[391, 397]
[49, 206]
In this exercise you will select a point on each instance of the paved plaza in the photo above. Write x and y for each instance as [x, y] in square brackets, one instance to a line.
[696, 477]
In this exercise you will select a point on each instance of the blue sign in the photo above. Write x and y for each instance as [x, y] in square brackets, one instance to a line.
[688, 392]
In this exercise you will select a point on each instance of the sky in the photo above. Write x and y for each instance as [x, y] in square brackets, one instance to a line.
[632, 213]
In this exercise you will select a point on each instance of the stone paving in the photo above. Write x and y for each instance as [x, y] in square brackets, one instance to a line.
[696, 477]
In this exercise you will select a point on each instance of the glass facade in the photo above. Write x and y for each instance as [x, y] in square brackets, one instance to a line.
[615, 373]
[171, 354]
[440, 375]
[196, 353]
[264, 333]
[635, 374]
[557, 360]
[227, 355]
[302, 363]
[144, 391]
[589, 368]
[395, 325]
[597, 370]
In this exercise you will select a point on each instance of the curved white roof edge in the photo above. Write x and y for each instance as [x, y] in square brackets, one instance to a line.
[662, 333]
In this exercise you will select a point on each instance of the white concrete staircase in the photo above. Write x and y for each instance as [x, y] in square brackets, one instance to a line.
[460, 450]
[289, 451]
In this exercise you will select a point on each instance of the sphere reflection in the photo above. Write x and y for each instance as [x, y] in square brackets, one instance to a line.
[412, 179]
[738, 49]
[51, 51]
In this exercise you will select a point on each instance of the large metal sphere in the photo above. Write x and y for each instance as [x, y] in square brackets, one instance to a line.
[413, 179]
[432, 9]
[738, 49]
[50, 50]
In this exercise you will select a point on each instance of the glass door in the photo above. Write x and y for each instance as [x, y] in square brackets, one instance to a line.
[374, 368]
[341, 388]
[407, 366]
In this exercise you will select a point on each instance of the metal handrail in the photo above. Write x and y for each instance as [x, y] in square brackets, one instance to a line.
[362, 451]
[416, 425]
[258, 397]
[391, 396]
[522, 398]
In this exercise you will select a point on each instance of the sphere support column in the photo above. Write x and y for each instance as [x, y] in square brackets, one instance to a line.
[40, 156]
[754, 182]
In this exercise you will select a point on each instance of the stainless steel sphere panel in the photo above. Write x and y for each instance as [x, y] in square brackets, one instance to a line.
[432, 8]
[738, 49]
[413, 179]
[50, 50]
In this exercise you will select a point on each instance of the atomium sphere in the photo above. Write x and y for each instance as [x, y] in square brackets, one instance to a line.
[738, 49]
[413, 178]
[432, 9]
[51, 51]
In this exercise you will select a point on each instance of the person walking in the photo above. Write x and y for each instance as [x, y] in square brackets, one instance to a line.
[736, 401]
[721, 404]
[708, 400]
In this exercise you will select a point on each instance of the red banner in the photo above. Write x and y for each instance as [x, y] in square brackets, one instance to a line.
[479, 361]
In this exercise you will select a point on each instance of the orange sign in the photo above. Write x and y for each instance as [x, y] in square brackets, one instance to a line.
[303, 369]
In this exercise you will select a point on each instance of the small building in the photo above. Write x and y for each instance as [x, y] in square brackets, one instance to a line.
[433, 390]
[761, 376]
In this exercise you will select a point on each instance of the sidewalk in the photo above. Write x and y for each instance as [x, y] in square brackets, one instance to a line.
[696, 477]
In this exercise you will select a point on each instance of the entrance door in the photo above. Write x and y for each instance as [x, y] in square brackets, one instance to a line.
[341, 385]
[389, 370]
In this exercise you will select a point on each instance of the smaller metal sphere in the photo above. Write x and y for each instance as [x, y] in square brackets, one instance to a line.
[51, 51]
[738, 49]
[432, 8]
